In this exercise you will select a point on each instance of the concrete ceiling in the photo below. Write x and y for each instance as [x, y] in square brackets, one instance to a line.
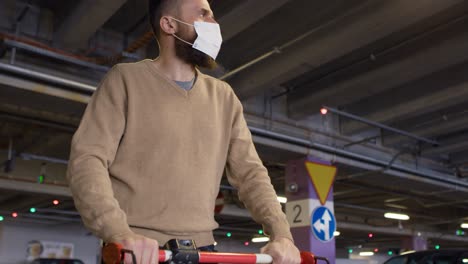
[400, 63]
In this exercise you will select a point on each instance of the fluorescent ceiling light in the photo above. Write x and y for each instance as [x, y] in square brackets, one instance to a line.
[464, 225]
[396, 216]
[366, 254]
[465, 260]
[336, 233]
[282, 199]
[260, 239]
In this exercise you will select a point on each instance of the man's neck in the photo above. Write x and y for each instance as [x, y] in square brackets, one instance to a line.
[174, 68]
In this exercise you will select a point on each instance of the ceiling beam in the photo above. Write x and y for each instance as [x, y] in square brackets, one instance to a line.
[442, 97]
[46, 76]
[431, 130]
[459, 158]
[8, 196]
[43, 89]
[50, 142]
[457, 144]
[85, 20]
[399, 232]
[23, 202]
[421, 63]
[30, 187]
[361, 26]
[247, 14]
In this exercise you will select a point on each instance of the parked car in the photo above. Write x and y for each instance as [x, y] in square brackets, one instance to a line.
[445, 256]
[56, 261]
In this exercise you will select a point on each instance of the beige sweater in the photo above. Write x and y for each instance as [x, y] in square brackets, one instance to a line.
[148, 157]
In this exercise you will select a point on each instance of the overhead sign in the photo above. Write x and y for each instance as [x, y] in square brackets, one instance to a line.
[322, 177]
[323, 224]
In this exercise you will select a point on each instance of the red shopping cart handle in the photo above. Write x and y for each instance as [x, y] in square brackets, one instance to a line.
[114, 253]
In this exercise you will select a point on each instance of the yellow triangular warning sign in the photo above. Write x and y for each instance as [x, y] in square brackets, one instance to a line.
[322, 177]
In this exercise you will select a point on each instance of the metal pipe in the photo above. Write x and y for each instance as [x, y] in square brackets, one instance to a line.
[250, 63]
[55, 211]
[360, 141]
[51, 217]
[31, 221]
[382, 126]
[23, 12]
[13, 52]
[10, 148]
[420, 175]
[16, 44]
[18, 21]
[39, 216]
[27, 156]
[369, 172]
[32, 187]
[31, 120]
[47, 77]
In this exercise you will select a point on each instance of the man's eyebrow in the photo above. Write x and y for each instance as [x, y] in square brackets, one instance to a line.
[207, 11]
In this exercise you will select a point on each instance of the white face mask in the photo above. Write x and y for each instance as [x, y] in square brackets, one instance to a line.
[209, 37]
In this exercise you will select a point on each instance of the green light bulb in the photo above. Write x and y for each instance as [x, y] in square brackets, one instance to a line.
[228, 234]
[32, 210]
[260, 232]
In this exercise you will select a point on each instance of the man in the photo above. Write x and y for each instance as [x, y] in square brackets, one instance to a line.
[147, 160]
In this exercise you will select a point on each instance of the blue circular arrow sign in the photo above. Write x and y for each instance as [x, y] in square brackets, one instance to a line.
[323, 224]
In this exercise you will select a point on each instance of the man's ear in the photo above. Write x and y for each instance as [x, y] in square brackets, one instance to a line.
[167, 25]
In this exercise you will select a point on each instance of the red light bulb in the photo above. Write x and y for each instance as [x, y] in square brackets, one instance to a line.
[14, 214]
[56, 202]
[323, 111]
[371, 235]
[246, 243]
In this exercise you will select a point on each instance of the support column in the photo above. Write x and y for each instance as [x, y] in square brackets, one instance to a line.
[310, 210]
[416, 242]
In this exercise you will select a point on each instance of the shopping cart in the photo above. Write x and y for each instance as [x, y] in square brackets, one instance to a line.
[185, 252]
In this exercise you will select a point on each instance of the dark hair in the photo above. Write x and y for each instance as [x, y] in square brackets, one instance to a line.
[155, 10]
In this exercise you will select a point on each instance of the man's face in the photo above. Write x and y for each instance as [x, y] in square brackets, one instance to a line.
[191, 11]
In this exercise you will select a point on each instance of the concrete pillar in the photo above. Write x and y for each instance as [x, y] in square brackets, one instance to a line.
[416, 242]
[309, 209]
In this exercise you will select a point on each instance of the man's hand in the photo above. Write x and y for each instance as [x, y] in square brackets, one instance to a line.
[283, 251]
[146, 250]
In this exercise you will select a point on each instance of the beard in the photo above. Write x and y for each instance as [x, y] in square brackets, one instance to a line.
[190, 55]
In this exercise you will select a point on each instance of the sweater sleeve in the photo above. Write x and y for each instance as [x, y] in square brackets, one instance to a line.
[93, 150]
[247, 174]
